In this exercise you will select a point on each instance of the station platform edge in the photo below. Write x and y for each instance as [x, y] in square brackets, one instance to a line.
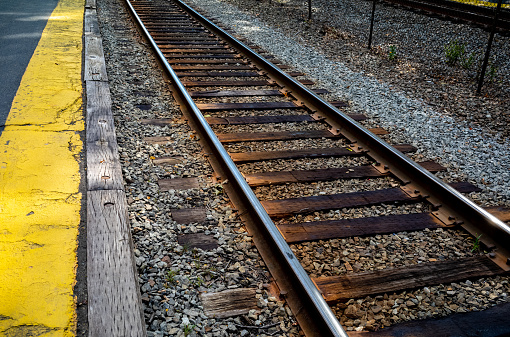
[40, 196]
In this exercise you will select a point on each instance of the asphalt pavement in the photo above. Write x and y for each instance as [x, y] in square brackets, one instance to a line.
[21, 26]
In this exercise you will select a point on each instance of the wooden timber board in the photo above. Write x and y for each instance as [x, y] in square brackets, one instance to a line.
[235, 93]
[271, 136]
[492, 322]
[95, 67]
[339, 104]
[319, 91]
[432, 166]
[302, 176]
[197, 51]
[201, 57]
[213, 67]
[246, 157]
[170, 38]
[176, 22]
[282, 135]
[90, 4]
[268, 119]
[188, 47]
[249, 106]
[211, 61]
[217, 74]
[173, 30]
[500, 212]
[174, 25]
[189, 215]
[168, 160]
[306, 82]
[240, 93]
[91, 24]
[356, 285]
[158, 139]
[228, 303]
[378, 131]
[358, 117]
[405, 148]
[178, 184]
[331, 229]
[167, 38]
[198, 240]
[223, 83]
[287, 207]
[465, 187]
[114, 304]
[259, 119]
[162, 39]
[103, 166]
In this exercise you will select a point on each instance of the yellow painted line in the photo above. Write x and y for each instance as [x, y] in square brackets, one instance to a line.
[39, 184]
[482, 3]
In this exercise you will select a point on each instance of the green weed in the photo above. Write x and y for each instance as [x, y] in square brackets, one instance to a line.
[467, 62]
[188, 329]
[186, 247]
[492, 72]
[170, 277]
[198, 282]
[454, 51]
[476, 244]
[393, 53]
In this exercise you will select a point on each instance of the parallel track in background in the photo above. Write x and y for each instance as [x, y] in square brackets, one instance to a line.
[231, 95]
[480, 15]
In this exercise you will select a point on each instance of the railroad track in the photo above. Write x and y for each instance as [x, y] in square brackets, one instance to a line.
[246, 110]
[481, 15]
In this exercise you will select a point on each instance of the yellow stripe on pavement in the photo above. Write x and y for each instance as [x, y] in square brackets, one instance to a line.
[39, 184]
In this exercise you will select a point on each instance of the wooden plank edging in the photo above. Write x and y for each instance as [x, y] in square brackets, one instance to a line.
[114, 301]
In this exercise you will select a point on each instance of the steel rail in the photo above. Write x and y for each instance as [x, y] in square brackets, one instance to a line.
[451, 204]
[326, 323]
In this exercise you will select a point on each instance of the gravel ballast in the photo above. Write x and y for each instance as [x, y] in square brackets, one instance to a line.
[172, 276]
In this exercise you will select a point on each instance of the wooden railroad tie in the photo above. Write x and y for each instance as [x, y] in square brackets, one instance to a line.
[246, 157]
[369, 283]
